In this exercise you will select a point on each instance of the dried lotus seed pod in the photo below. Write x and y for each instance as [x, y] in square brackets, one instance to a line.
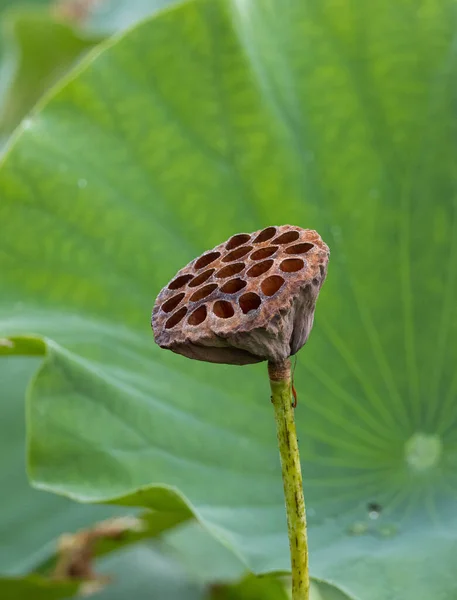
[249, 299]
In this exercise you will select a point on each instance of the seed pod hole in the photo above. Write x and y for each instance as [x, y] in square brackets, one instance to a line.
[265, 235]
[206, 260]
[230, 270]
[237, 240]
[290, 265]
[263, 253]
[260, 268]
[172, 303]
[203, 292]
[179, 282]
[236, 254]
[223, 309]
[299, 248]
[233, 286]
[249, 301]
[198, 316]
[287, 238]
[201, 278]
[176, 318]
[271, 285]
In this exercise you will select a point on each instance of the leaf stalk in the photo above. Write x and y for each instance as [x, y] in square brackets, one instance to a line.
[281, 390]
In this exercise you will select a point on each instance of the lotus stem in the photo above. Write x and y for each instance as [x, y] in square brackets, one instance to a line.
[281, 389]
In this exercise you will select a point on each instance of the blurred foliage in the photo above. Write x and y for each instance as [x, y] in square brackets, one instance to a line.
[4, 4]
[108, 16]
[40, 51]
[36, 588]
[41, 40]
[251, 588]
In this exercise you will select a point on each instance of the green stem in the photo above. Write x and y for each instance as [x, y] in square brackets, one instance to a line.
[281, 388]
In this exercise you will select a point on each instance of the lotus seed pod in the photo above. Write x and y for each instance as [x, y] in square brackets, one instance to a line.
[249, 299]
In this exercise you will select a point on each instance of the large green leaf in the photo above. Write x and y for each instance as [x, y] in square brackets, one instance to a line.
[186, 563]
[218, 117]
[30, 520]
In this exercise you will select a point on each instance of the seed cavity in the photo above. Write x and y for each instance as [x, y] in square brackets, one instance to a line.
[172, 303]
[179, 282]
[201, 278]
[263, 253]
[203, 292]
[230, 270]
[291, 265]
[176, 318]
[198, 316]
[206, 260]
[260, 268]
[236, 254]
[271, 285]
[265, 235]
[287, 238]
[249, 301]
[237, 240]
[233, 286]
[299, 248]
[223, 309]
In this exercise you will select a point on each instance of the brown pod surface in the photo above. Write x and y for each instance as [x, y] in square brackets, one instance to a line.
[249, 299]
